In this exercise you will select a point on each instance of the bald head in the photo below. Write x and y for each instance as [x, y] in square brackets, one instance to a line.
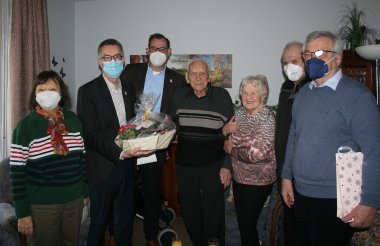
[198, 76]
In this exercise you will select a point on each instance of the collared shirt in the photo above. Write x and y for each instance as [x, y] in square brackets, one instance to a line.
[154, 83]
[117, 98]
[331, 82]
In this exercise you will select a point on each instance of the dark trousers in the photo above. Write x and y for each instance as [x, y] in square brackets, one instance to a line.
[202, 202]
[151, 184]
[113, 197]
[317, 224]
[290, 233]
[249, 201]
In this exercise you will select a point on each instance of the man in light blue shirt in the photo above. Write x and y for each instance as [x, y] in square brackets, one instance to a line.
[154, 77]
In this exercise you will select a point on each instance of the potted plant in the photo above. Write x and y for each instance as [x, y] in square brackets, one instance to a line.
[353, 29]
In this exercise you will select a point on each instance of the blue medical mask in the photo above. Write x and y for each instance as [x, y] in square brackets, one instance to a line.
[317, 68]
[113, 68]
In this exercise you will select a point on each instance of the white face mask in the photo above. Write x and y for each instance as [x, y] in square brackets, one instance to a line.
[48, 99]
[157, 58]
[293, 72]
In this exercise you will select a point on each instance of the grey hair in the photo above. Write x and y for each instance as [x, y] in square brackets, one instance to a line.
[198, 60]
[291, 45]
[258, 81]
[337, 43]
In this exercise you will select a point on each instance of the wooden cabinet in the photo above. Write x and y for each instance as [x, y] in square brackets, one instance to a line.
[359, 69]
[169, 180]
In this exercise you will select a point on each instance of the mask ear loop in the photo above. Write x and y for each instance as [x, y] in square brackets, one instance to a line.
[328, 62]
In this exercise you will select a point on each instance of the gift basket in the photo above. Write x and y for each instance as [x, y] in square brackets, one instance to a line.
[148, 130]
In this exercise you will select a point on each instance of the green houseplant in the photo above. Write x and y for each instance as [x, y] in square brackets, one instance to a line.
[353, 29]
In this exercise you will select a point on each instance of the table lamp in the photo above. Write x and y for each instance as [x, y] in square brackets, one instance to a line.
[371, 52]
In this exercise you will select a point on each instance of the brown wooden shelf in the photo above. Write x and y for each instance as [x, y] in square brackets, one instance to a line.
[359, 69]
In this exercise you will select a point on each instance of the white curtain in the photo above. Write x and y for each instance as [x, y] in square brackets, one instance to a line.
[5, 30]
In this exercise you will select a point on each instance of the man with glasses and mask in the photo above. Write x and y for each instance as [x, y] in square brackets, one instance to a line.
[293, 68]
[103, 105]
[331, 111]
[154, 77]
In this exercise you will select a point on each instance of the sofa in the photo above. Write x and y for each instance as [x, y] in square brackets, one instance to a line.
[8, 226]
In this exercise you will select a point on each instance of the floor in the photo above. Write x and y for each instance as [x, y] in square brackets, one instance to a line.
[138, 234]
[177, 225]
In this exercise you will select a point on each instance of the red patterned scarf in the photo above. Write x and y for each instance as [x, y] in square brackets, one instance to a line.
[56, 128]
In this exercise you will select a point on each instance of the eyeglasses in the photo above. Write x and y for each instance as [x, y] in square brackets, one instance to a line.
[161, 49]
[108, 58]
[318, 53]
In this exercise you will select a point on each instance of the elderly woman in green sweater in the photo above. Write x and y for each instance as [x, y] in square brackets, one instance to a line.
[251, 146]
[47, 167]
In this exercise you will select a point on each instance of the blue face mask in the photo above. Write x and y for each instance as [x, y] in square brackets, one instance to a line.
[316, 68]
[113, 68]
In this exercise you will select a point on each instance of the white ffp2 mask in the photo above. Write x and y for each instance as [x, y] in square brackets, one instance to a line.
[293, 72]
[48, 99]
[157, 58]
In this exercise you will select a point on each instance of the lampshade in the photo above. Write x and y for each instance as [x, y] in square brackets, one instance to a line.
[369, 52]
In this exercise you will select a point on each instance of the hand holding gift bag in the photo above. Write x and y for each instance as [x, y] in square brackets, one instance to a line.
[348, 179]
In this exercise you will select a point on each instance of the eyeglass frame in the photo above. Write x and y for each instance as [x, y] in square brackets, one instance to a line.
[160, 49]
[108, 58]
[312, 54]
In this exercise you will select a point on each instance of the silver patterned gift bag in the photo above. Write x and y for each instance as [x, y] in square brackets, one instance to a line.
[348, 179]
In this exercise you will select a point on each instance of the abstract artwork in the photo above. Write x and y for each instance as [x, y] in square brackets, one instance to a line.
[220, 66]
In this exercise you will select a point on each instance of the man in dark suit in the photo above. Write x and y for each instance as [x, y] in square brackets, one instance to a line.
[103, 105]
[154, 77]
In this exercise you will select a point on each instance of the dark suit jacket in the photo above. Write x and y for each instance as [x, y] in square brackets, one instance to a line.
[96, 110]
[135, 75]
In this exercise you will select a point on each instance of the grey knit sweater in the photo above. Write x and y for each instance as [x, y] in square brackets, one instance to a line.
[324, 120]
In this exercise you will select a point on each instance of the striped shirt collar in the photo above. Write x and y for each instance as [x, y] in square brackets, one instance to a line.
[111, 86]
[117, 99]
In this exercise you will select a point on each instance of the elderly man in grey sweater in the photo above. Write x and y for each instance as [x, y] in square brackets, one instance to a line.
[331, 111]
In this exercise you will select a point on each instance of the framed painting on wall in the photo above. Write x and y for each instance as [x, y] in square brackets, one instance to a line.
[220, 66]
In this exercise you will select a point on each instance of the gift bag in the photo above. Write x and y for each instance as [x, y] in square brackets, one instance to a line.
[348, 179]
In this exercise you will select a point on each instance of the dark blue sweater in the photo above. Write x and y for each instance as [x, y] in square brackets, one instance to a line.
[323, 121]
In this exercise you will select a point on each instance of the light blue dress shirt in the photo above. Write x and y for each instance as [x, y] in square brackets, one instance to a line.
[154, 83]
